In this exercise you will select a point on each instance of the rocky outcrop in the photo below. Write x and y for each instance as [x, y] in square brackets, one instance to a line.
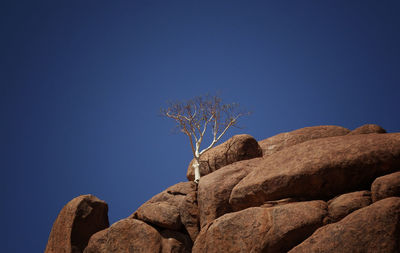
[345, 204]
[319, 169]
[309, 192]
[386, 186]
[238, 148]
[76, 223]
[285, 140]
[175, 208]
[368, 129]
[375, 228]
[257, 229]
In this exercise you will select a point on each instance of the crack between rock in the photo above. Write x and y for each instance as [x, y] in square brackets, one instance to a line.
[176, 193]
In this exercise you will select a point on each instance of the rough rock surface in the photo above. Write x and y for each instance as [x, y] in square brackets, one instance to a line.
[284, 140]
[78, 220]
[374, 229]
[160, 214]
[215, 189]
[257, 229]
[172, 208]
[386, 186]
[127, 235]
[368, 129]
[238, 148]
[341, 206]
[319, 169]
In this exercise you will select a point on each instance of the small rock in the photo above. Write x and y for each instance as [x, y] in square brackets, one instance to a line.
[386, 186]
[345, 204]
[368, 129]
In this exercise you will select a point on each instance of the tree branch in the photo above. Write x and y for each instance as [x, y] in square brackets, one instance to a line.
[196, 116]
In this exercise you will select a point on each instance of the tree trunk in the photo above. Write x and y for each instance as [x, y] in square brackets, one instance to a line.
[196, 166]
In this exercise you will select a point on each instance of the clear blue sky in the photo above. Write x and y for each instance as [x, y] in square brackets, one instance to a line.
[82, 82]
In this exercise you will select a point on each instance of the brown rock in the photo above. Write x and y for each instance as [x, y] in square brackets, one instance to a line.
[368, 129]
[97, 242]
[238, 148]
[345, 204]
[78, 220]
[127, 235]
[257, 229]
[174, 206]
[175, 242]
[386, 186]
[319, 169]
[215, 189]
[375, 228]
[284, 140]
[160, 214]
[189, 214]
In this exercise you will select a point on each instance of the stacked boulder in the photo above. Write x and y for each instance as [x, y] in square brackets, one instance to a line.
[316, 189]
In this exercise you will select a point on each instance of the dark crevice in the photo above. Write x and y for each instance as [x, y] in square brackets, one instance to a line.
[176, 193]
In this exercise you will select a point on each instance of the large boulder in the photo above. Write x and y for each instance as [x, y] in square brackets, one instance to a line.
[284, 140]
[386, 186]
[375, 228]
[127, 235]
[257, 229]
[131, 235]
[342, 205]
[238, 148]
[76, 223]
[368, 129]
[160, 214]
[319, 169]
[174, 208]
[215, 189]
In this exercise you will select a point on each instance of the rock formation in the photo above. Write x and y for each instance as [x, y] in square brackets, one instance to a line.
[77, 222]
[316, 189]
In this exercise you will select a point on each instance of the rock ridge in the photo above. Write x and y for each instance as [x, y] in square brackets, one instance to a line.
[315, 189]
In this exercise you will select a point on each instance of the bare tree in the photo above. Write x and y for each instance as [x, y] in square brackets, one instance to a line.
[195, 116]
